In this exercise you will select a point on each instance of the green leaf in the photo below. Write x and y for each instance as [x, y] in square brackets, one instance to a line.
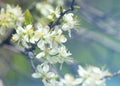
[61, 9]
[28, 17]
[76, 7]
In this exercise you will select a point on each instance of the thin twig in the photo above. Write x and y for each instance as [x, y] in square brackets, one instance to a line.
[29, 54]
[32, 65]
[112, 75]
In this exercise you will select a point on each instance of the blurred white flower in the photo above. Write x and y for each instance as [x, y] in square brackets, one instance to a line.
[57, 2]
[44, 8]
[69, 80]
[92, 76]
[10, 17]
[16, 12]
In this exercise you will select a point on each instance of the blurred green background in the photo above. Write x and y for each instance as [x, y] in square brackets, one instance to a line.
[96, 43]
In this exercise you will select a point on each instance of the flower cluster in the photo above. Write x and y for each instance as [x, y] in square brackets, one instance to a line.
[91, 76]
[48, 15]
[49, 43]
[50, 78]
[10, 16]
[23, 35]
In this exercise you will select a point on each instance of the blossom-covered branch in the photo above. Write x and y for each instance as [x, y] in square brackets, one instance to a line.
[45, 44]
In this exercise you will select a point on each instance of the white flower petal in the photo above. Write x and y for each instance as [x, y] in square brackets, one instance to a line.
[63, 39]
[45, 68]
[82, 72]
[53, 52]
[28, 27]
[40, 55]
[35, 75]
[41, 44]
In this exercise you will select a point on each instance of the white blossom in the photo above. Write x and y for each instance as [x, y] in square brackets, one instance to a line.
[54, 14]
[10, 16]
[40, 55]
[41, 44]
[92, 76]
[23, 35]
[64, 55]
[57, 35]
[43, 71]
[68, 22]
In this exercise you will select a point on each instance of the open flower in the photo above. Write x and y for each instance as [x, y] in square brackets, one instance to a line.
[64, 55]
[43, 72]
[23, 35]
[54, 14]
[58, 36]
[92, 76]
[68, 22]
